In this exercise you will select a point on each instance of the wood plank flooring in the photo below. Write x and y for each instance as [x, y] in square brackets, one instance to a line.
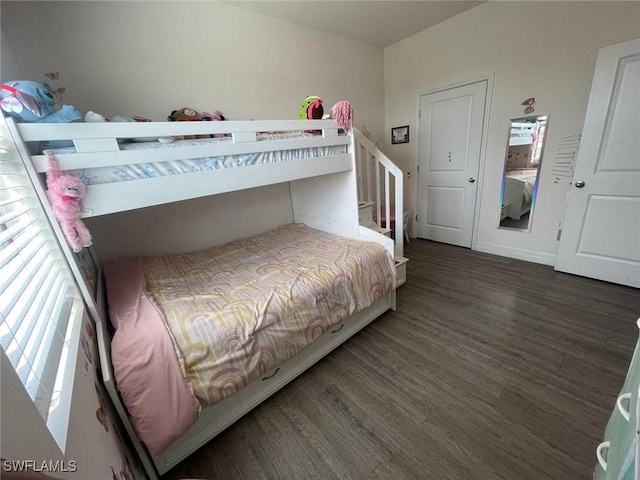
[491, 368]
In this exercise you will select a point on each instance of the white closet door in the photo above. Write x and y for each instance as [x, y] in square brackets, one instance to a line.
[601, 234]
[450, 143]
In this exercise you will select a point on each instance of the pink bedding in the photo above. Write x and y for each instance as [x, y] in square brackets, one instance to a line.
[192, 329]
[144, 360]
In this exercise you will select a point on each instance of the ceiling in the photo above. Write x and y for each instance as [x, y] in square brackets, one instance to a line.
[377, 22]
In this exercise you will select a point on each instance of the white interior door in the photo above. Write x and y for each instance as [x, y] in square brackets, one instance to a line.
[451, 123]
[601, 234]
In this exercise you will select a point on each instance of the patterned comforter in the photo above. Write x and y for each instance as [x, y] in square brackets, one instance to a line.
[238, 310]
[192, 329]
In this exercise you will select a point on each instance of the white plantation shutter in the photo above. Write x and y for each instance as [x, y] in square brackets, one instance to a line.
[39, 303]
[541, 129]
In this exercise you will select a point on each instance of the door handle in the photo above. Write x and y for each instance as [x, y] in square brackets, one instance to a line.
[580, 184]
[623, 411]
[604, 446]
[472, 179]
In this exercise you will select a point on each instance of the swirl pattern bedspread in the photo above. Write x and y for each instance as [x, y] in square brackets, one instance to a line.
[238, 310]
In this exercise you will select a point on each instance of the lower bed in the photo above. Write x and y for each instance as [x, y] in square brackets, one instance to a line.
[191, 330]
[519, 191]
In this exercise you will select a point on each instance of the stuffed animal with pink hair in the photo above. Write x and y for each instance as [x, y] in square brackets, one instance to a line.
[342, 112]
[64, 192]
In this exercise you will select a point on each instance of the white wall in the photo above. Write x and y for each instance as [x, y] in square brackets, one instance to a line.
[148, 58]
[191, 225]
[8, 66]
[545, 50]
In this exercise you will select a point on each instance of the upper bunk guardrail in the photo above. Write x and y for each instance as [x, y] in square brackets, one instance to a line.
[91, 141]
[33, 132]
[99, 148]
[74, 160]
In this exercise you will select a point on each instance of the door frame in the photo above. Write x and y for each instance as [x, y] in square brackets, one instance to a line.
[483, 147]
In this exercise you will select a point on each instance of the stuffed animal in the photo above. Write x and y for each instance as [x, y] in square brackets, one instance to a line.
[342, 113]
[64, 193]
[311, 109]
[215, 116]
[187, 115]
[33, 102]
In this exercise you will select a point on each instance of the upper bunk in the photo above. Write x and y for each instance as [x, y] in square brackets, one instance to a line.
[131, 165]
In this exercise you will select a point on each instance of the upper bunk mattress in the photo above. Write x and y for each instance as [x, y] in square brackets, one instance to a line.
[120, 173]
[232, 313]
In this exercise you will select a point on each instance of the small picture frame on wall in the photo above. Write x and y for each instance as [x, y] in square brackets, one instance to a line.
[400, 134]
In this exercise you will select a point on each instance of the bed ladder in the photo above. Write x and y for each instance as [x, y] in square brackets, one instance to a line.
[380, 187]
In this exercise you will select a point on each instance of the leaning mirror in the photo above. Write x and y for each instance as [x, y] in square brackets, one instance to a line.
[522, 164]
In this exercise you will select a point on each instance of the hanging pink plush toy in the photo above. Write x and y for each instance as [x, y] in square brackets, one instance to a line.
[64, 193]
[342, 112]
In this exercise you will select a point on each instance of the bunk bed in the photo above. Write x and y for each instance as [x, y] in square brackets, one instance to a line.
[519, 188]
[317, 160]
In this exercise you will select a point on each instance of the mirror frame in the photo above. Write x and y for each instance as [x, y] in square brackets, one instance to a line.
[534, 192]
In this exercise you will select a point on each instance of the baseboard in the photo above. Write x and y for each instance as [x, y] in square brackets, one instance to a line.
[518, 253]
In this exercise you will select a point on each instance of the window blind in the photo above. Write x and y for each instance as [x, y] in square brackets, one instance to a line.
[540, 133]
[38, 299]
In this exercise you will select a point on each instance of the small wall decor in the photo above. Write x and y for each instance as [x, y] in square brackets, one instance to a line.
[57, 92]
[400, 134]
[529, 103]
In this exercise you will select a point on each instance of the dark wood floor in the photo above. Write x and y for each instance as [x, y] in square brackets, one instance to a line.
[491, 368]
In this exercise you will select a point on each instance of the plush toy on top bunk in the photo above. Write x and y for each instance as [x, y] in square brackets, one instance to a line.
[311, 108]
[217, 117]
[64, 192]
[341, 112]
[33, 102]
[187, 115]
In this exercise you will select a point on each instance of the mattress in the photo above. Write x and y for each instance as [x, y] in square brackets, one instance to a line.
[120, 173]
[224, 316]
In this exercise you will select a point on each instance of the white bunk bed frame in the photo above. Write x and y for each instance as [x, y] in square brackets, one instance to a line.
[324, 195]
[380, 181]
[514, 195]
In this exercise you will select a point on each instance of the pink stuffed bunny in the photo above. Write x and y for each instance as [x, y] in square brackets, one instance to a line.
[64, 193]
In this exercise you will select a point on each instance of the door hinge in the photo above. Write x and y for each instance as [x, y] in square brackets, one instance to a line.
[418, 169]
[419, 113]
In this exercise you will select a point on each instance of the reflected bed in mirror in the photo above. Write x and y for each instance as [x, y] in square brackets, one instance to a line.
[522, 163]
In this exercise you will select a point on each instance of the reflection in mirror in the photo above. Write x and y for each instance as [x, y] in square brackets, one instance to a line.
[521, 168]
